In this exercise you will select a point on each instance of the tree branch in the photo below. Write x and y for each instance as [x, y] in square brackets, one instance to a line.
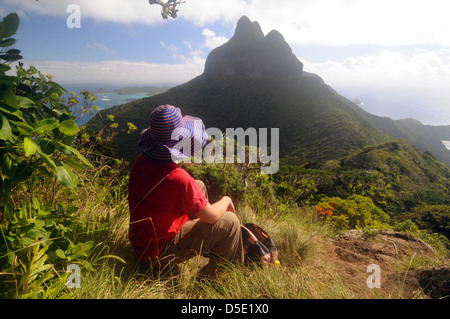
[168, 8]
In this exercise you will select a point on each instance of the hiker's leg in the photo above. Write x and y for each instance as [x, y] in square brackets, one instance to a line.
[228, 244]
[222, 240]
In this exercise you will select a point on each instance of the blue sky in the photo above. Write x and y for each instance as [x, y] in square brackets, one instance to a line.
[394, 55]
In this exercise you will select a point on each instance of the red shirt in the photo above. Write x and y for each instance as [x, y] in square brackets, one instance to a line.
[158, 213]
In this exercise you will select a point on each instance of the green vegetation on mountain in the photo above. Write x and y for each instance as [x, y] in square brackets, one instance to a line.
[401, 181]
[145, 90]
[313, 125]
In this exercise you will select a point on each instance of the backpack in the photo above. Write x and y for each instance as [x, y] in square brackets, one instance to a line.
[258, 246]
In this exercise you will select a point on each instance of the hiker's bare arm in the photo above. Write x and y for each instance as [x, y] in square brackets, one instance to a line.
[212, 212]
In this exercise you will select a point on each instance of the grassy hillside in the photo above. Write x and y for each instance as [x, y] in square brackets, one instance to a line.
[400, 180]
[94, 236]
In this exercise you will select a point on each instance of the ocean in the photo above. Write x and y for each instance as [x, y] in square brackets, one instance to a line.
[106, 101]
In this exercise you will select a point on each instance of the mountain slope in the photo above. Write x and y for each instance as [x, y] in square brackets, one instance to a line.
[425, 137]
[255, 81]
[396, 175]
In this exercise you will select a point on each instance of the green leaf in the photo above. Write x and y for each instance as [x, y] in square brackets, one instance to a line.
[14, 51]
[36, 203]
[45, 126]
[9, 25]
[60, 254]
[57, 86]
[11, 113]
[4, 67]
[24, 128]
[23, 172]
[25, 102]
[54, 96]
[66, 176]
[47, 146]
[29, 145]
[9, 98]
[9, 167]
[78, 154]
[68, 140]
[69, 127]
[55, 288]
[73, 164]
[84, 160]
[48, 161]
[7, 43]
[10, 56]
[5, 130]
[63, 150]
[9, 81]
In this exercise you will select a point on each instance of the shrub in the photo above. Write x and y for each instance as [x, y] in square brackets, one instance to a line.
[37, 142]
[356, 211]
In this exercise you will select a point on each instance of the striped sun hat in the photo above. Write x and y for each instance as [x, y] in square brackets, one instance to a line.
[172, 137]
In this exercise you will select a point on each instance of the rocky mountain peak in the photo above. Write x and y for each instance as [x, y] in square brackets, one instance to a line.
[247, 30]
[251, 54]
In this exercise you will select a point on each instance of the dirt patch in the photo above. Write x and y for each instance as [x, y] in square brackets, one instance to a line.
[402, 260]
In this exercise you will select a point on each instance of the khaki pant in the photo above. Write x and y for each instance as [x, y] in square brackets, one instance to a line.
[221, 242]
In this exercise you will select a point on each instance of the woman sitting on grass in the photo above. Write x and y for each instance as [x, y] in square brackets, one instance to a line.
[171, 219]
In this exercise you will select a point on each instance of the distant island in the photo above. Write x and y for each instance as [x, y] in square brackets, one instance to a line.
[144, 90]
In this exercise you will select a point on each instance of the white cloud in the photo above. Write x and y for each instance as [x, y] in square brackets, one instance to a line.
[100, 10]
[346, 22]
[197, 52]
[335, 22]
[119, 72]
[169, 47]
[398, 84]
[211, 40]
[427, 68]
[306, 22]
[100, 47]
[405, 63]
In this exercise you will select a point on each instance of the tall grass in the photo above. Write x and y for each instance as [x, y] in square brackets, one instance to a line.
[114, 272]
[297, 235]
